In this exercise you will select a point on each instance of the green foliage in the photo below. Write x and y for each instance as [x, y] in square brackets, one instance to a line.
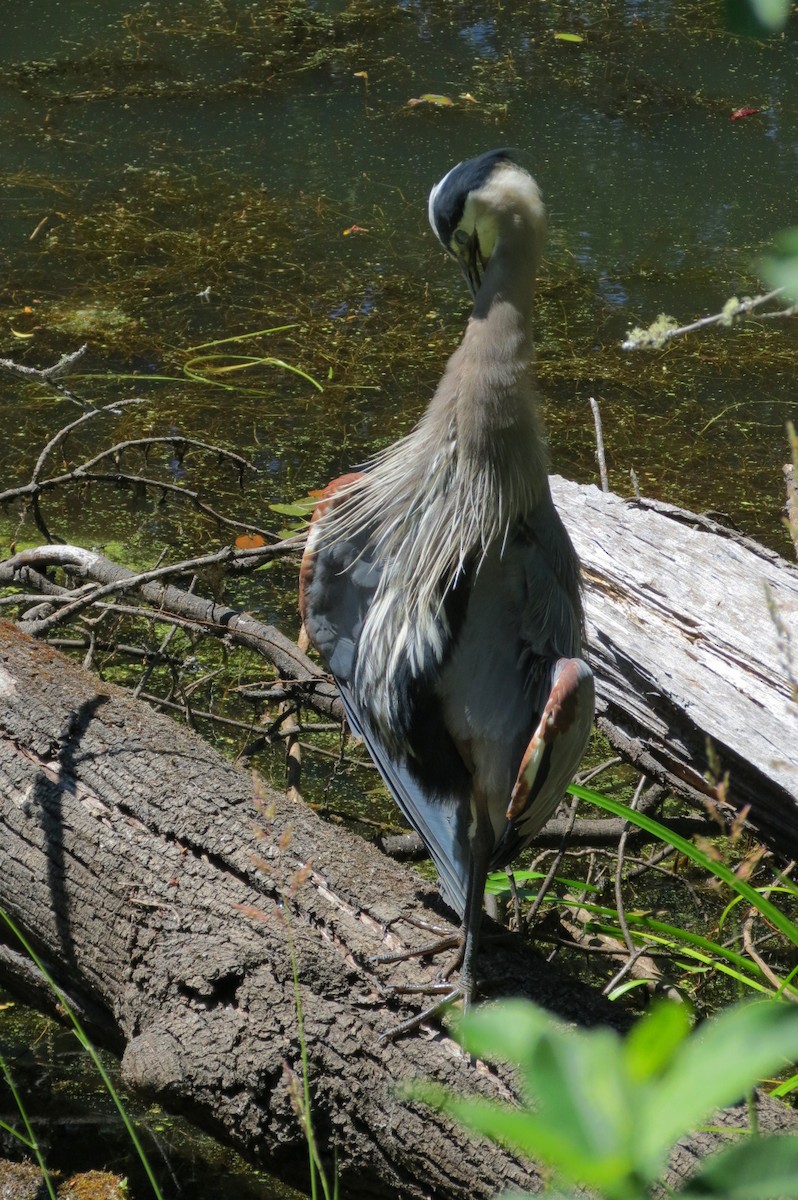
[604, 1111]
[780, 267]
[757, 18]
[713, 867]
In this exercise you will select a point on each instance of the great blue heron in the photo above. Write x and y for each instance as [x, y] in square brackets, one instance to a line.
[440, 585]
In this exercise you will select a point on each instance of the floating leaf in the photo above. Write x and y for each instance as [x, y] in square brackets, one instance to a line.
[739, 113]
[18, 334]
[300, 508]
[432, 98]
[569, 37]
[250, 541]
[354, 229]
[467, 96]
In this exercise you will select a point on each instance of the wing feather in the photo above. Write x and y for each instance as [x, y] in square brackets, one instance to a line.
[338, 581]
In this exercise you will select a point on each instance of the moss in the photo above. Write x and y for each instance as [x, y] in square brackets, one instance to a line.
[94, 1185]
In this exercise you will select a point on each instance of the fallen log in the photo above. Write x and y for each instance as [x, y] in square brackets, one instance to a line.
[170, 898]
[692, 634]
[693, 637]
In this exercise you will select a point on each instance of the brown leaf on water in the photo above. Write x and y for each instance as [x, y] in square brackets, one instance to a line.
[250, 541]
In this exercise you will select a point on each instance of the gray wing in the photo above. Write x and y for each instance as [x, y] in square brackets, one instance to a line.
[338, 580]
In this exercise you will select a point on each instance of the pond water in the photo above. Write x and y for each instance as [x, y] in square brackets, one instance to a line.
[178, 173]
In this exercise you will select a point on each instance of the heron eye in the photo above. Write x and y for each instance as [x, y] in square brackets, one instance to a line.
[460, 236]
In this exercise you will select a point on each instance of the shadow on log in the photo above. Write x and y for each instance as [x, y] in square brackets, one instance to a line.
[167, 903]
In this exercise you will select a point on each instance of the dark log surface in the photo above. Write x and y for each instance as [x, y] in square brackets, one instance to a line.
[166, 904]
[693, 635]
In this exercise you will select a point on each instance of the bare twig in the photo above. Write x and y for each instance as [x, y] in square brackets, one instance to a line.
[627, 937]
[67, 429]
[175, 605]
[665, 328]
[160, 655]
[791, 483]
[50, 375]
[83, 473]
[602, 461]
[635, 483]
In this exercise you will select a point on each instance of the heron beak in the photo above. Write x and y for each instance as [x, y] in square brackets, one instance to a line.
[471, 267]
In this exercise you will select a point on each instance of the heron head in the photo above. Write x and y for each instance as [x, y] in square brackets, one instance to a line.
[469, 205]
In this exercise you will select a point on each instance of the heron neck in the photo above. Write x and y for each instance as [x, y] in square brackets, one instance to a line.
[509, 279]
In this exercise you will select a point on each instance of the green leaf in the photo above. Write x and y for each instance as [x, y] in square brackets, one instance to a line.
[781, 267]
[583, 1121]
[759, 1168]
[436, 100]
[299, 508]
[757, 18]
[527, 1134]
[508, 1031]
[498, 883]
[713, 1068]
[653, 1040]
[569, 37]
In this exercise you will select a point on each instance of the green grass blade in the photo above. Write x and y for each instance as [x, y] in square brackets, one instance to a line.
[786, 1087]
[89, 1048]
[30, 1141]
[278, 362]
[684, 937]
[240, 337]
[688, 952]
[719, 870]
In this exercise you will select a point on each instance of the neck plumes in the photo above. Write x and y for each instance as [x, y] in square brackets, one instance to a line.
[438, 499]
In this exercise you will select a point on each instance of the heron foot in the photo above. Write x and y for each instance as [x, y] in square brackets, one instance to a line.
[427, 951]
[432, 1010]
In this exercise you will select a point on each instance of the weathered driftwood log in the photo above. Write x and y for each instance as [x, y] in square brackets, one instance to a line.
[693, 635]
[168, 904]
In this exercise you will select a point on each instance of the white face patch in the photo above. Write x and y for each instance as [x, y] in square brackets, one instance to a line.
[433, 196]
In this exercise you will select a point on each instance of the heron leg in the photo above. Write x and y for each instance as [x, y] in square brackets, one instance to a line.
[465, 959]
[481, 839]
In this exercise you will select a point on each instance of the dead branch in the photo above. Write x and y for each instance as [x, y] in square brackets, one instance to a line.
[665, 328]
